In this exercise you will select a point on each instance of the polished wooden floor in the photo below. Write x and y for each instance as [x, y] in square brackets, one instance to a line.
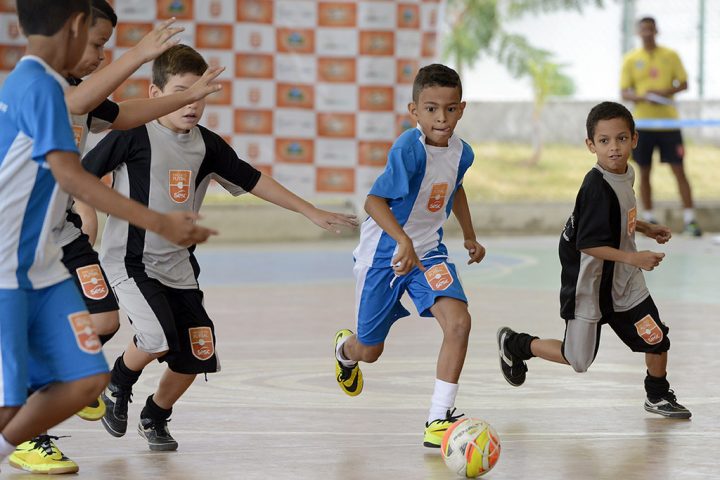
[275, 411]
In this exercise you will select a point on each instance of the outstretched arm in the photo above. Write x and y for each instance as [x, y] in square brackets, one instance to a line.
[646, 259]
[270, 190]
[462, 213]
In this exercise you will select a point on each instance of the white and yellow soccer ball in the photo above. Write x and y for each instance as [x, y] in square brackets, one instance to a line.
[470, 447]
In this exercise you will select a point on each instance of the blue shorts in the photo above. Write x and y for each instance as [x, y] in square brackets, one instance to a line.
[378, 291]
[46, 336]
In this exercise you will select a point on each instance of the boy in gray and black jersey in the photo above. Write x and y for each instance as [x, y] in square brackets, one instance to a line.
[168, 165]
[602, 279]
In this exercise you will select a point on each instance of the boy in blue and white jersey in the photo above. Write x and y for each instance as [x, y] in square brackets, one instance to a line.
[401, 245]
[47, 341]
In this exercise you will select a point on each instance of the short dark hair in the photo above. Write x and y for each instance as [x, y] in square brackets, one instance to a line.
[647, 20]
[177, 60]
[608, 111]
[47, 17]
[435, 75]
[102, 9]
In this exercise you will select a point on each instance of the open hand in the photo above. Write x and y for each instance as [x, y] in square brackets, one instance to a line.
[206, 84]
[330, 221]
[157, 41]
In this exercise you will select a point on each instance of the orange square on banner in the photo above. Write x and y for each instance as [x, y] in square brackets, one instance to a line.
[376, 99]
[377, 42]
[7, 6]
[336, 14]
[335, 180]
[408, 15]
[406, 71]
[180, 9]
[254, 66]
[258, 11]
[429, 44]
[293, 150]
[295, 96]
[338, 70]
[295, 40]
[129, 34]
[214, 36]
[224, 96]
[10, 55]
[373, 154]
[132, 88]
[403, 122]
[341, 125]
[211, 120]
[254, 121]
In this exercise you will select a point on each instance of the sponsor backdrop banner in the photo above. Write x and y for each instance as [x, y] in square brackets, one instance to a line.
[314, 92]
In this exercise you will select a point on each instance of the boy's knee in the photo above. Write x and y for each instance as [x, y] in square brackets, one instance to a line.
[90, 387]
[459, 327]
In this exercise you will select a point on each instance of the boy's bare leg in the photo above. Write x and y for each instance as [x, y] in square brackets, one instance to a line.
[135, 359]
[454, 319]
[353, 350]
[548, 349]
[656, 364]
[50, 406]
[105, 323]
[172, 386]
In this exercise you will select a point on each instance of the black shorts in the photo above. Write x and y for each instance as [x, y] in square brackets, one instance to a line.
[83, 264]
[669, 142]
[170, 319]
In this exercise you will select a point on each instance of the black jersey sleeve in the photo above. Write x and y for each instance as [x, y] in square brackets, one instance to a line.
[595, 208]
[222, 161]
[108, 154]
[103, 116]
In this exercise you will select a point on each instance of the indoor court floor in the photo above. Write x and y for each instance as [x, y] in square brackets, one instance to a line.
[276, 412]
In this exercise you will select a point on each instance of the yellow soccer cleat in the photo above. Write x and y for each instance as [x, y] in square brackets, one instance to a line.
[350, 379]
[435, 430]
[93, 412]
[41, 455]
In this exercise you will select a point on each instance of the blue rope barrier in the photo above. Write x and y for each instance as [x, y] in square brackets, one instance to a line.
[671, 123]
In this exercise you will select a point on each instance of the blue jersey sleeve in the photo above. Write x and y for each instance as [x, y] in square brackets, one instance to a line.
[44, 117]
[394, 182]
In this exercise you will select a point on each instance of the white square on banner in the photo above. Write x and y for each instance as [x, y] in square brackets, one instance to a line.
[295, 123]
[218, 119]
[337, 42]
[364, 179]
[215, 11]
[296, 13]
[136, 10]
[145, 69]
[403, 96]
[336, 97]
[375, 126]
[376, 71]
[254, 94]
[255, 149]
[408, 43]
[187, 36]
[336, 153]
[429, 16]
[220, 58]
[254, 38]
[377, 15]
[295, 68]
[10, 30]
[299, 178]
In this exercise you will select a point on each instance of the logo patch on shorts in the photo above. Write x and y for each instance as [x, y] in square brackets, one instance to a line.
[92, 281]
[77, 133]
[201, 342]
[85, 335]
[631, 220]
[439, 277]
[180, 185]
[437, 197]
[649, 330]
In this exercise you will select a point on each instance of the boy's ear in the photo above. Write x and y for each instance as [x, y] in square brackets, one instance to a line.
[154, 91]
[590, 145]
[462, 108]
[78, 23]
[635, 138]
[412, 108]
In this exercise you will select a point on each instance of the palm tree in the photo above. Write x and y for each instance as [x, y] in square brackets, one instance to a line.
[475, 31]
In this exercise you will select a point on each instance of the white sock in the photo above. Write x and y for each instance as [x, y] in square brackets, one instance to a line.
[341, 358]
[6, 448]
[443, 399]
[649, 215]
[688, 214]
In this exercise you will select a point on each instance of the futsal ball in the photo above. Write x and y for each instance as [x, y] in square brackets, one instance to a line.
[470, 447]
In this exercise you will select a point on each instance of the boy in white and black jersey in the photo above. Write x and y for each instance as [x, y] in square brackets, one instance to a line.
[168, 164]
[602, 279]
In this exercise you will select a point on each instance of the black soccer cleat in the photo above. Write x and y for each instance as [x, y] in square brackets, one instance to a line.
[513, 369]
[667, 406]
[157, 435]
[116, 400]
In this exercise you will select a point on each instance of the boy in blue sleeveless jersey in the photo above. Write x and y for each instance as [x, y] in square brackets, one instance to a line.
[401, 245]
[48, 343]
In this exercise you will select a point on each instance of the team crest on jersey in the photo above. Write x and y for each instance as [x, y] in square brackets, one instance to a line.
[180, 185]
[77, 133]
[631, 221]
[87, 339]
[92, 281]
[201, 342]
[439, 277]
[437, 196]
[649, 330]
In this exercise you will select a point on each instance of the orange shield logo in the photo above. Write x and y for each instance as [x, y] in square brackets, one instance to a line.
[437, 197]
[649, 330]
[78, 133]
[180, 185]
[439, 277]
[201, 341]
[92, 281]
[632, 220]
[85, 335]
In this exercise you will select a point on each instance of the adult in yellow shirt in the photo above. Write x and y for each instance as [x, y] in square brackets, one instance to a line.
[651, 76]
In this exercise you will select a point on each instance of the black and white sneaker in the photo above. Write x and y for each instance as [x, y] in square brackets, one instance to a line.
[513, 369]
[667, 406]
[116, 401]
[157, 435]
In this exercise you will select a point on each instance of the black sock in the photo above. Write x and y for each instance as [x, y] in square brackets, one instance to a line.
[519, 345]
[153, 411]
[656, 387]
[104, 338]
[122, 376]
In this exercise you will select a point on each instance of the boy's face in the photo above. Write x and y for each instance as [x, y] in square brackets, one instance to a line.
[646, 31]
[180, 121]
[437, 111]
[79, 24]
[613, 143]
[94, 53]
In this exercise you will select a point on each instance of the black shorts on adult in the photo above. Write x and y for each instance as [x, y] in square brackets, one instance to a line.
[669, 142]
[640, 328]
[84, 265]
